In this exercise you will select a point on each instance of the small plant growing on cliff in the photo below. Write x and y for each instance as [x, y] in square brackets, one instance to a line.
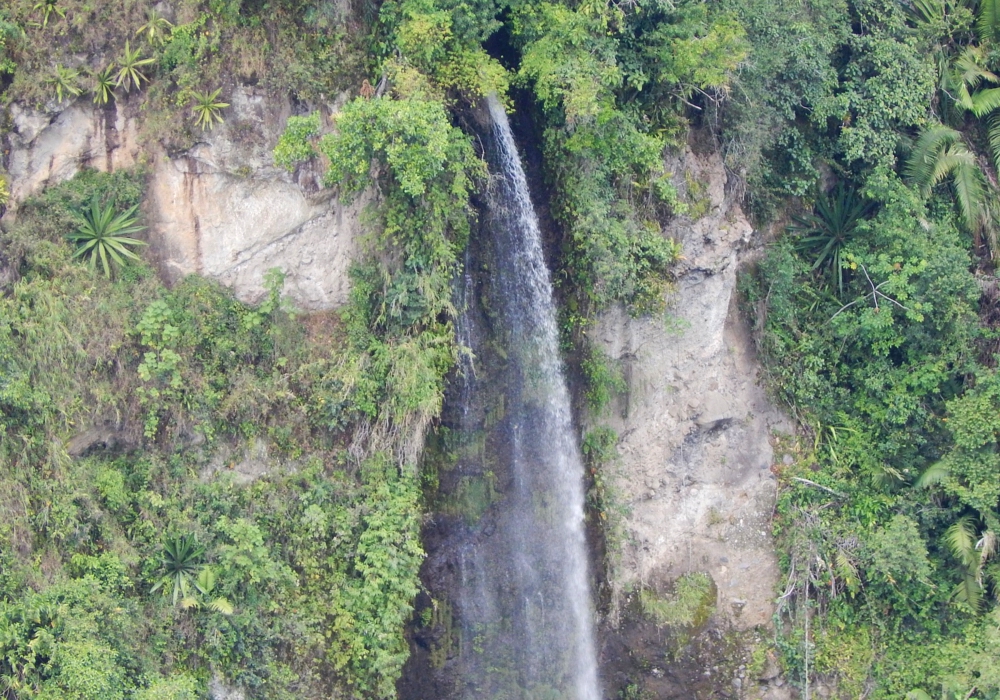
[207, 109]
[179, 562]
[47, 8]
[296, 143]
[103, 235]
[65, 81]
[155, 28]
[129, 73]
[690, 605]
[4, 191]
[104, 85]
[823, 233]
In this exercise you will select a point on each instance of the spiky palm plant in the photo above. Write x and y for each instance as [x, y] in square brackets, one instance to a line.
[823, 233]
[940, 153]
[104, 85]
[180, 560]
[155, 28]
[207, 109]
[129, 64]
[65, 81]
[103, 235]
[47, 8]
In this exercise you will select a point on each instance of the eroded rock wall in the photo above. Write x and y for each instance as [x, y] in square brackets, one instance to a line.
[696, 429]
[221, 208]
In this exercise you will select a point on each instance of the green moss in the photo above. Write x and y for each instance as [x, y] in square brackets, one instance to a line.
[689, 604]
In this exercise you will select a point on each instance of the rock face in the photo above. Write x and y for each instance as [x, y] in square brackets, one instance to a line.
[221, 209]
[695, 427]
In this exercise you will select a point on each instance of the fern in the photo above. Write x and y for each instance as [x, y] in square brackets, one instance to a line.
[961, 541]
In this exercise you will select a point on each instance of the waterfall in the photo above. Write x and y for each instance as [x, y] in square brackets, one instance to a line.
[544, 521]
[508, 613]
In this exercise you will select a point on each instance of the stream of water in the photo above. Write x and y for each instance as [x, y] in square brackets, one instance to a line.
[538, 611]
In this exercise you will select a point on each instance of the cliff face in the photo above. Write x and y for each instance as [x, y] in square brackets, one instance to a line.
[697, 436]
[220, 209]
[696, 429]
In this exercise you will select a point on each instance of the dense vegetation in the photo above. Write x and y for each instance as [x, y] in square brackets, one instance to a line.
[875, 312]
[195, 487]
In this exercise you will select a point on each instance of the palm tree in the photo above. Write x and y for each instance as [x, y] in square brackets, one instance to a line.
[179, 561]
[129, 72]
[941, 152]
[65, 81]
[973, 549]
[155, 28]
[104, 85]
[207, 109]
[825, 231]
[102, 234]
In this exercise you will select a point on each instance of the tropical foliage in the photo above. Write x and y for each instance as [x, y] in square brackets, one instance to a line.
[103, 235]
[208, 109]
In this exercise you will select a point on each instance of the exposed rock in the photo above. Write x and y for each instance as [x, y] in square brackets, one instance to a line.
[221, 209]
[218, 690]
[695, 427]
[103, 434]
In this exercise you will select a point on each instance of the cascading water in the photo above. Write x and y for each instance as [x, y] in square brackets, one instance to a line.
[549, 567]
[509, 613]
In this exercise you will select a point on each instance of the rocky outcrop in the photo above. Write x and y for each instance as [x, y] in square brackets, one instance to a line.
[221, 208]
[695, 427]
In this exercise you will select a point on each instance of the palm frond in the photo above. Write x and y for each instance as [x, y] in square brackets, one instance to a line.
[925, 11]
[961, 541]
[922, 164]
[934, 474]
[969, 189]
[988, 20]
[969, 68]
[985, 101]
[221, 605]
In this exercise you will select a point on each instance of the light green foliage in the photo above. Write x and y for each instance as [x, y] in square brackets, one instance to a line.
[689, 604]
[207, 109]
[295, 145]
[376, 598]
[65, 82]
[104, 84]
[64, 643]
[75, 348]
[439, 47]
[412, 136]
[156, 27]
[10, 33]
[873, 382]
[129, 63]
[102, 235]
[569, 59]
[44, 10]
[888, 88]
[604, 378]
